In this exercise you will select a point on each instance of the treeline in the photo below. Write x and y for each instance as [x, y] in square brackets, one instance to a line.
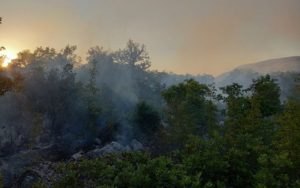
[194, 136]
[50, 97]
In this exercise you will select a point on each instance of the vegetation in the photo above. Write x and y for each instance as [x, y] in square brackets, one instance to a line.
[251, 149]
[193, 137]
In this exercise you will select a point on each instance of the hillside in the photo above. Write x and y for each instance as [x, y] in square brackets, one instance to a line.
[285, 64]
[246, 73]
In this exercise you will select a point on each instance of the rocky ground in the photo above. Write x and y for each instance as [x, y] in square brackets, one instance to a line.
[27, 167]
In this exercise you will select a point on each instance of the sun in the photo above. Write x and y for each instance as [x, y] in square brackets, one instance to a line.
[7, 57]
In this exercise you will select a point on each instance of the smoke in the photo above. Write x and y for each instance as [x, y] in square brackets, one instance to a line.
[238, 32]
[183, 37]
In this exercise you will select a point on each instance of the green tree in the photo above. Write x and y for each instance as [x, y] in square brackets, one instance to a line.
[267, 94]
[189, 110]
[279, 166]
[237, 106]
[248, 134]
[288, 138]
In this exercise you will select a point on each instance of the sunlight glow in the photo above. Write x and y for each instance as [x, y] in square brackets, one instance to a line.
[7, 56]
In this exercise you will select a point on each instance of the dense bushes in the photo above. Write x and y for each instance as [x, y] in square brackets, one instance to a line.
[131, 170]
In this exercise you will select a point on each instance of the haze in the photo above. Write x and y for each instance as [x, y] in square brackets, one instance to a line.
[192, 36]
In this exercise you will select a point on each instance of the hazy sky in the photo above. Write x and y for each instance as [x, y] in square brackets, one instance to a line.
[183, 36]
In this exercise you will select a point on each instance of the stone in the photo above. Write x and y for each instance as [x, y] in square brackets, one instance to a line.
[136, 145]
[77, 156]
[113, 147]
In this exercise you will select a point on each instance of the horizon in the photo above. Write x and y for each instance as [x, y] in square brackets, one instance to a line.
[185, 38]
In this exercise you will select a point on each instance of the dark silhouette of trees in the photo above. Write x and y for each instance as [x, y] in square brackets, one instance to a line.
[146, 122]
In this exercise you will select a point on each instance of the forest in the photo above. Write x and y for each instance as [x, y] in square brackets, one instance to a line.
[114, 122]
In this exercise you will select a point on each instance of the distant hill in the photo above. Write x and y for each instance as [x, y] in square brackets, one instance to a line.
[171, 78]
[286, 64]
[282, 69]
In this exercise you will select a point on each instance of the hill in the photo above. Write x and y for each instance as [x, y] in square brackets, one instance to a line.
[286, 64]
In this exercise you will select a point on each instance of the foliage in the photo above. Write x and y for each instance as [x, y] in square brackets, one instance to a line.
[251, 150]
[128, 170]
[189, 110]
[267, 94]
[47, 96]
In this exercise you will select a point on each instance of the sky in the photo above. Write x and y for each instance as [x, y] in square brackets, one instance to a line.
[182, 36]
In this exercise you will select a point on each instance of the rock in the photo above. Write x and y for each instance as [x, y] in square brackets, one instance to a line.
[136, 145]
[77, 156]
[46, 171]
[113, 147]
[14, 166]
[27, 179]
[116, 146]
[40, 173]
[11, 167]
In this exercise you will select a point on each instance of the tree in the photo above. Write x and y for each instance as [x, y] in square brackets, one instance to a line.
[248, 134]
[49, 86]
[288, 137]
[279, 167]
[267, 94]
[134, 55]
[189, 111]
[295, 93]
[93, 108]
[6, 83]
[237, 105]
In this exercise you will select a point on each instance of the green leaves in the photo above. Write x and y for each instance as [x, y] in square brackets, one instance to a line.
[127, 170]
[267, 93]
[189, 110]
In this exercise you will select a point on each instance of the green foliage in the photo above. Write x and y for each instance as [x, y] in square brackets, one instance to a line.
[237, 103]
[288, 138]
[264, 152]
[248, 133]
[267, 94]
[127, 170]
[258, 145]
[189, 110]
